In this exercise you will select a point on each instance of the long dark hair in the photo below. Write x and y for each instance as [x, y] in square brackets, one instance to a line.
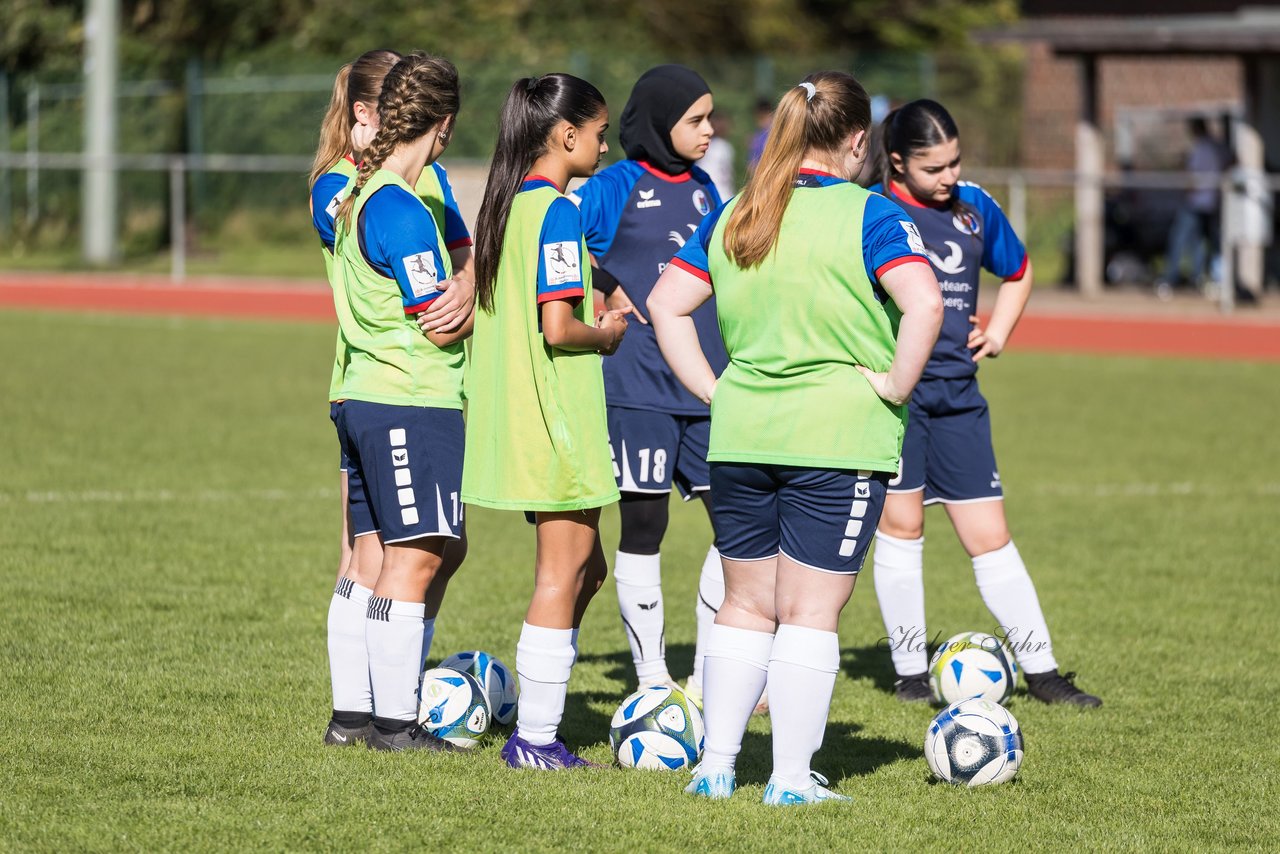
[908, 130]
[534, 107]
[838, 107]
[417, 94]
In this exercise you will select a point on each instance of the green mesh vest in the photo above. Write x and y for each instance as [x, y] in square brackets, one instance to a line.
[795, 327]
[536, 432]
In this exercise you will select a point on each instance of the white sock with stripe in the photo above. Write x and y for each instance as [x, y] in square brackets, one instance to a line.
[802, 675]
[898, 573]
[710, 598]
[1010, 595]
[639, 580]
[737, 665]
[393, 633]
[544, 660]
[348, 654]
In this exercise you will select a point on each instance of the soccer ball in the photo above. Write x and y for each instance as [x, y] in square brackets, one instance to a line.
[656, 728]
[973, 742]
[973, 664]
[453, 706]
[498, 682]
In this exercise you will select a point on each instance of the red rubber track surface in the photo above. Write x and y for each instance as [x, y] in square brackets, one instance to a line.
[1200, 337]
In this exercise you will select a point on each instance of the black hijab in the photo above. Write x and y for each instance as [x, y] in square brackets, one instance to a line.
[660, 97]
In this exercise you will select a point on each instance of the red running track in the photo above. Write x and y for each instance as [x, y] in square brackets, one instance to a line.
[1222, 338]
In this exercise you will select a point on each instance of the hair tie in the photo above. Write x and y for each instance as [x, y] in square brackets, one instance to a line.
[531, 85]
[809, 90]
[355, 191]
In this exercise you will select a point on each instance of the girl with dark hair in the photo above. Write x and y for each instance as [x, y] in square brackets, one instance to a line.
[349, 125]
[636, 214]
[536, 434]
[828, 310]
[400, 411]
[947, 455]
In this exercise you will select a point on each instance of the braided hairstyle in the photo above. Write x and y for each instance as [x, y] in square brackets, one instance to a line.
[419, 92]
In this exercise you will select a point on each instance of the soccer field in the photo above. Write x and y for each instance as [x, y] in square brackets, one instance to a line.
[168, 514]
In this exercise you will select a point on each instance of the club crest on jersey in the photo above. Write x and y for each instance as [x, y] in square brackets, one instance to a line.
[563, 264]
[422, 273]
[952, 263]
[677, 238]
[701, 202]
[966, 222]
[647, 200]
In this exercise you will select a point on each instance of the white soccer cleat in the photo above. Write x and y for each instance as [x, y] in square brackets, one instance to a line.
[776, 794]
[716, 785]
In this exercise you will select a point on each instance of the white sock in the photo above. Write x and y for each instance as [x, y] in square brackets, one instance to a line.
[544, 660]
[393, 633]
[1010, 595]
[802, 674]
[710, 598]
[428, 634]
[737, 664]
[348, 655]
[899, 578]
[639, 579]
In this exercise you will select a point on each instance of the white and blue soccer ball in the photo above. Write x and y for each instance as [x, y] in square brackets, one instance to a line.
[498, 682]
[973, 664]
[974, 743]
[453, 706]
[657, 728]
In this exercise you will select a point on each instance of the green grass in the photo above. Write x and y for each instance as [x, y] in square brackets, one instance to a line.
[168, 511]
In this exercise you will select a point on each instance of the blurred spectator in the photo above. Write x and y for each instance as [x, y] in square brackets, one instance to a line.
[1196, 228]
[718, 161]
[764, 120]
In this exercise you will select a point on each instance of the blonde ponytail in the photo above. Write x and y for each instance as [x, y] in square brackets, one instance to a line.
[335, 130]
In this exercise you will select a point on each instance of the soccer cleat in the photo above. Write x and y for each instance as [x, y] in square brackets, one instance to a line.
[693, 691]
[1054, 687]
[413, 738]
[344, 736]
[778, 795]
[913, 689]
[519, 753]
[715, 785]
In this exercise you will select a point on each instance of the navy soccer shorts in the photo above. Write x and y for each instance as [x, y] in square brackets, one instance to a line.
[357, 497]
[824, 519]
[652, 450]
[405, 466]
[947, 451]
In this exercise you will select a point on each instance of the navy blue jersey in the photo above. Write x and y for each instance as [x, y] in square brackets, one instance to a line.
[635, 218]
[960, 244]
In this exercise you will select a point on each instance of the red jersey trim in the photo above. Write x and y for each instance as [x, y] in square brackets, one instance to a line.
[670, 179]
[908, 199]
[898, 262]
[1022, 271]
[414, 310]
[571, 293]
[692, 270]
[807, 171]
[559, 189]
[460, 243]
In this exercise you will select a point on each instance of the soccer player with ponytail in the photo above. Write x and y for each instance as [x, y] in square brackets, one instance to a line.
[400, 412]
[536, 434]
[829, 310]
[947, 456]
[349, 125]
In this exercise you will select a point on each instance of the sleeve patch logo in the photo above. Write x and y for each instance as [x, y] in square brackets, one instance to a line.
[421, 269]
[562, 262]
[914, 242]
[331, 209]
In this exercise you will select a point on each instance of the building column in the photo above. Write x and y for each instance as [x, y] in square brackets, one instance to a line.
[1090, 158]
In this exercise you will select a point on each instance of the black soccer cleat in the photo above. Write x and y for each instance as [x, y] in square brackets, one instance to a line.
[913, 689]
[1055, 687]
[414, 738]
[338, 735]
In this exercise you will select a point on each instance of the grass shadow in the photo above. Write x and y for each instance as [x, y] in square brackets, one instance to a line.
[869, 662]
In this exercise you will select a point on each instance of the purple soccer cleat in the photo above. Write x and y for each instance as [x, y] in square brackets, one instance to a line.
[519, 753]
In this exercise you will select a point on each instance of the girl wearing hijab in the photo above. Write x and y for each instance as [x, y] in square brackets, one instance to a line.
[635, 215]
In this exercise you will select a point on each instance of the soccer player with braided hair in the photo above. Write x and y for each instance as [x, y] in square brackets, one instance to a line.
[400, 412]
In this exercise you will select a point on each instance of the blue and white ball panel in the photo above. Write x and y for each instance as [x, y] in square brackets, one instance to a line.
[651, 450]
[453, 706]
[657, 728]
[822, 518]
[947, 450]
[498, 682]
[409, 462]
[974, 743]
[358, 501]
[973, 665]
